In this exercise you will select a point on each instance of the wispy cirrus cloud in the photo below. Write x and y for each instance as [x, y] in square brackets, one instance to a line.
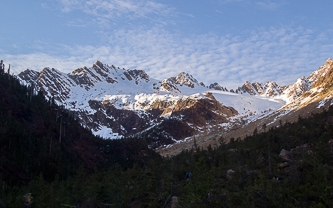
[115, 8]
[268, 5]
[277, 53]
[108, 13]
[231, 1]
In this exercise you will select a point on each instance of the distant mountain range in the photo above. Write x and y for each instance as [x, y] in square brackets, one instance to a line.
[115, 102]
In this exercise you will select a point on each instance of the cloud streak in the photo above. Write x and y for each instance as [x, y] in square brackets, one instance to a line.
[115, 8]
[268, 5]
[107, 14]
[277, 54]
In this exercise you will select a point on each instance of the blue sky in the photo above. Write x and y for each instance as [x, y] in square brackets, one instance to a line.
[224, 41]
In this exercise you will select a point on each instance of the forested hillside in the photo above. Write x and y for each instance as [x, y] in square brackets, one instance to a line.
[41, 139]
[45, 152]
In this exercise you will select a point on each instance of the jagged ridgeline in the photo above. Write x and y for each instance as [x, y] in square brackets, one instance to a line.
[116, 102]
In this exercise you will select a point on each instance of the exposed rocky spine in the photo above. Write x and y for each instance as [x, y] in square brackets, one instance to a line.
[216, 86]
[184, 78]
[270, 89]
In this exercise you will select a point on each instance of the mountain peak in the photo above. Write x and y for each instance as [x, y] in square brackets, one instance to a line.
[29, 75]
[329, 61]
[216, 86]
[185, 78]
[321, 71]
[98, 63]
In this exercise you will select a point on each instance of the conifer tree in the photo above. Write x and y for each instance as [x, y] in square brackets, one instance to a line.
[1, 68]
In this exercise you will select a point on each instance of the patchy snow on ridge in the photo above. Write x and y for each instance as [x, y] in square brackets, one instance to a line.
[294, 91]
[324, 101]
[107, 133]
[321, 71]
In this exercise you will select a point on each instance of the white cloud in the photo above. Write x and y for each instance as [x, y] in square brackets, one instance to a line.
[277, 54]
[268, 5]
[115, 8]
[68, 5]
[231, 1]
[107, 14]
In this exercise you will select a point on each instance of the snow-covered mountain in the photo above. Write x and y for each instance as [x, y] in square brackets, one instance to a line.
[115, 102]
[316, 88]
[289, 93]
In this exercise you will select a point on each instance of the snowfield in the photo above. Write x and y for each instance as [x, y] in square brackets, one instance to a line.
[245, 103]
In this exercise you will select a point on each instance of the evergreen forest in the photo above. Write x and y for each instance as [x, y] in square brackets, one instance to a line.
[46, 152]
